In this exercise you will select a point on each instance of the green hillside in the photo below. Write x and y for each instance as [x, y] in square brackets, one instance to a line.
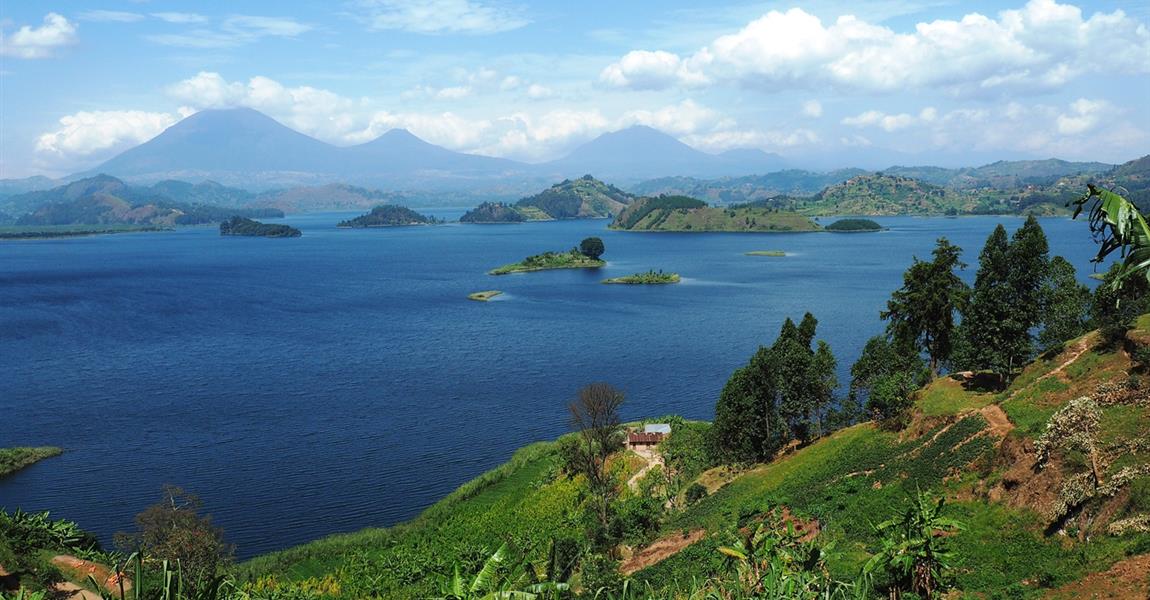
[975, 448]
[388, 215]
[680, 213]
[583, 198]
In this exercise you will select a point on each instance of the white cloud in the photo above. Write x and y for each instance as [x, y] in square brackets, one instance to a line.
[773, 139]
[86, 135]
[39, 42]
[677, 119]
[441, 16]
[1083, 116]
[113, 16]
[1040, 47]
[453, 92]
[234, 31]
[874, 118]
[539, 92]
[813, 109]
[180, 18]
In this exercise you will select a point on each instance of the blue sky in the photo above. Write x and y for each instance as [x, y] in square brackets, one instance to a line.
[943, 81]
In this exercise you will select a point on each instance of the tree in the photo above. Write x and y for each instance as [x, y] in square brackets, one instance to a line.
[883, 379]
[595, 418]
[1029, 258]
[986, 329]
[591, 247]
[1066, 304]
[778, 396]
[174, 531]
[921, 312]
[1113, 308]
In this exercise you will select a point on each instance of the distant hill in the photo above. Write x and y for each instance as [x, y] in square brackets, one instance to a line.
[1001, 175]
[740, 190]
[882, 195]
[681, 213]
[641, 152]
[334, 196]
[388, 216]
[493, 212]
[583, 198]
[106, 200]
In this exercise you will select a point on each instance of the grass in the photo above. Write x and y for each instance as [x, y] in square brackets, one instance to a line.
[484, 296]
[14, 459]
[947, 396]
[549, 260]
[648, 278]
[777, 253]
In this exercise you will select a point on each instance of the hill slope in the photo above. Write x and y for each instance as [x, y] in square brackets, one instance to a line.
[680, 213]
[583, 198]
[974, 447]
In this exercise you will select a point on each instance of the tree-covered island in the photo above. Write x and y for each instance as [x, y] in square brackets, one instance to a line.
[389, 215]
[586, 256]
[248, 227]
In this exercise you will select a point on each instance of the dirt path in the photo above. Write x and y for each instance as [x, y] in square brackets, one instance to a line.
[660, 551]
[652, 457]
[1000, 424]
[1127, 579]
[80, 569]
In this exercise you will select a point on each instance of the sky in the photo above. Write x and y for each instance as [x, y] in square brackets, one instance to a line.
[940, 81]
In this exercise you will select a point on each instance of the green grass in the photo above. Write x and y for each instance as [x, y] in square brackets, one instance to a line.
[946, 396]
[648, 278]
[521, 501]
[14, 459]
[549, 260]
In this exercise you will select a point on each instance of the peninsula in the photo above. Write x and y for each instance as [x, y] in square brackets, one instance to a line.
[682, 214]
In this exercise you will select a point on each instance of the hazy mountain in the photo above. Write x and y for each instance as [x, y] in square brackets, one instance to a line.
[247, 148]
[334, 196]
[749, 188]
[11, 187]
[641, 152]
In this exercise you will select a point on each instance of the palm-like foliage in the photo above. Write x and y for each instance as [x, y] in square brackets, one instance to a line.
[913, 551]
[505, 575]
[773, 561]
[1117, 225]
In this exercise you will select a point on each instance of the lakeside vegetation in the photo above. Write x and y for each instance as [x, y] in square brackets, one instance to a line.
[493, 212]
[14, 459]
[388, 215]
[484, 296]
[586, 256]
[32, 232]
[648, 278]
[853, 225]
[247, 227]
[683, 214]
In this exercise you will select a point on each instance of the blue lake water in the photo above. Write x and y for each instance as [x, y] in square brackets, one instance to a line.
[309, 386]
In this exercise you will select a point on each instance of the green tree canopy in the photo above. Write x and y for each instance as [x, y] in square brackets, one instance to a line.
[921, 312]
[591, 247]
[1066, 305]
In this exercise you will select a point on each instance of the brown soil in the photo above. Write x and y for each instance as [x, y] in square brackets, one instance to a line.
[80, 569]
[1126, 580]
[660, 551]
[8, 581]
[1000, 424]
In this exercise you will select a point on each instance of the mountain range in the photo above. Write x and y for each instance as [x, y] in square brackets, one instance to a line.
[245, 148]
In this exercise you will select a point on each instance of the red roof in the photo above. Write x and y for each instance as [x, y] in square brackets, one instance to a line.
[644, 438]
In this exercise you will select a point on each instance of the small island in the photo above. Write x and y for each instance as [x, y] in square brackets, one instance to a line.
[14, 459]
[493, 212]
[854, 226]
[389, 215]
[247, 227]
[651, 277]
[586, 256]
[766, 253]
[483, 296]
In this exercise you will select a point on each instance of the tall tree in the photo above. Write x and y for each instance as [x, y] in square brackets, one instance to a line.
[743, 418]
[921, 312]
[883, 378]
[1029, 257]
[988, 320]
[1066, 305]
[595, 418]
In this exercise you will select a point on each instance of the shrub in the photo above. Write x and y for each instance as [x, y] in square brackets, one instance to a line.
[696, 492]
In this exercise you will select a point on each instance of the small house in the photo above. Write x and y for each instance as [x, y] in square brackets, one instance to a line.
[649, 436]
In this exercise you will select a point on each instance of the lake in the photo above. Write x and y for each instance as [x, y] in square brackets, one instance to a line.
[341, 380]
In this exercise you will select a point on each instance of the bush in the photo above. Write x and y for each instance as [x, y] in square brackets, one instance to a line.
[591, 247]
[696, 492]
[600, 576]
[891, 399]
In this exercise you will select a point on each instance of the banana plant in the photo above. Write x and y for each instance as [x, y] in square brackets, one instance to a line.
[505, 575]
[1117, 225]
[913, 547]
